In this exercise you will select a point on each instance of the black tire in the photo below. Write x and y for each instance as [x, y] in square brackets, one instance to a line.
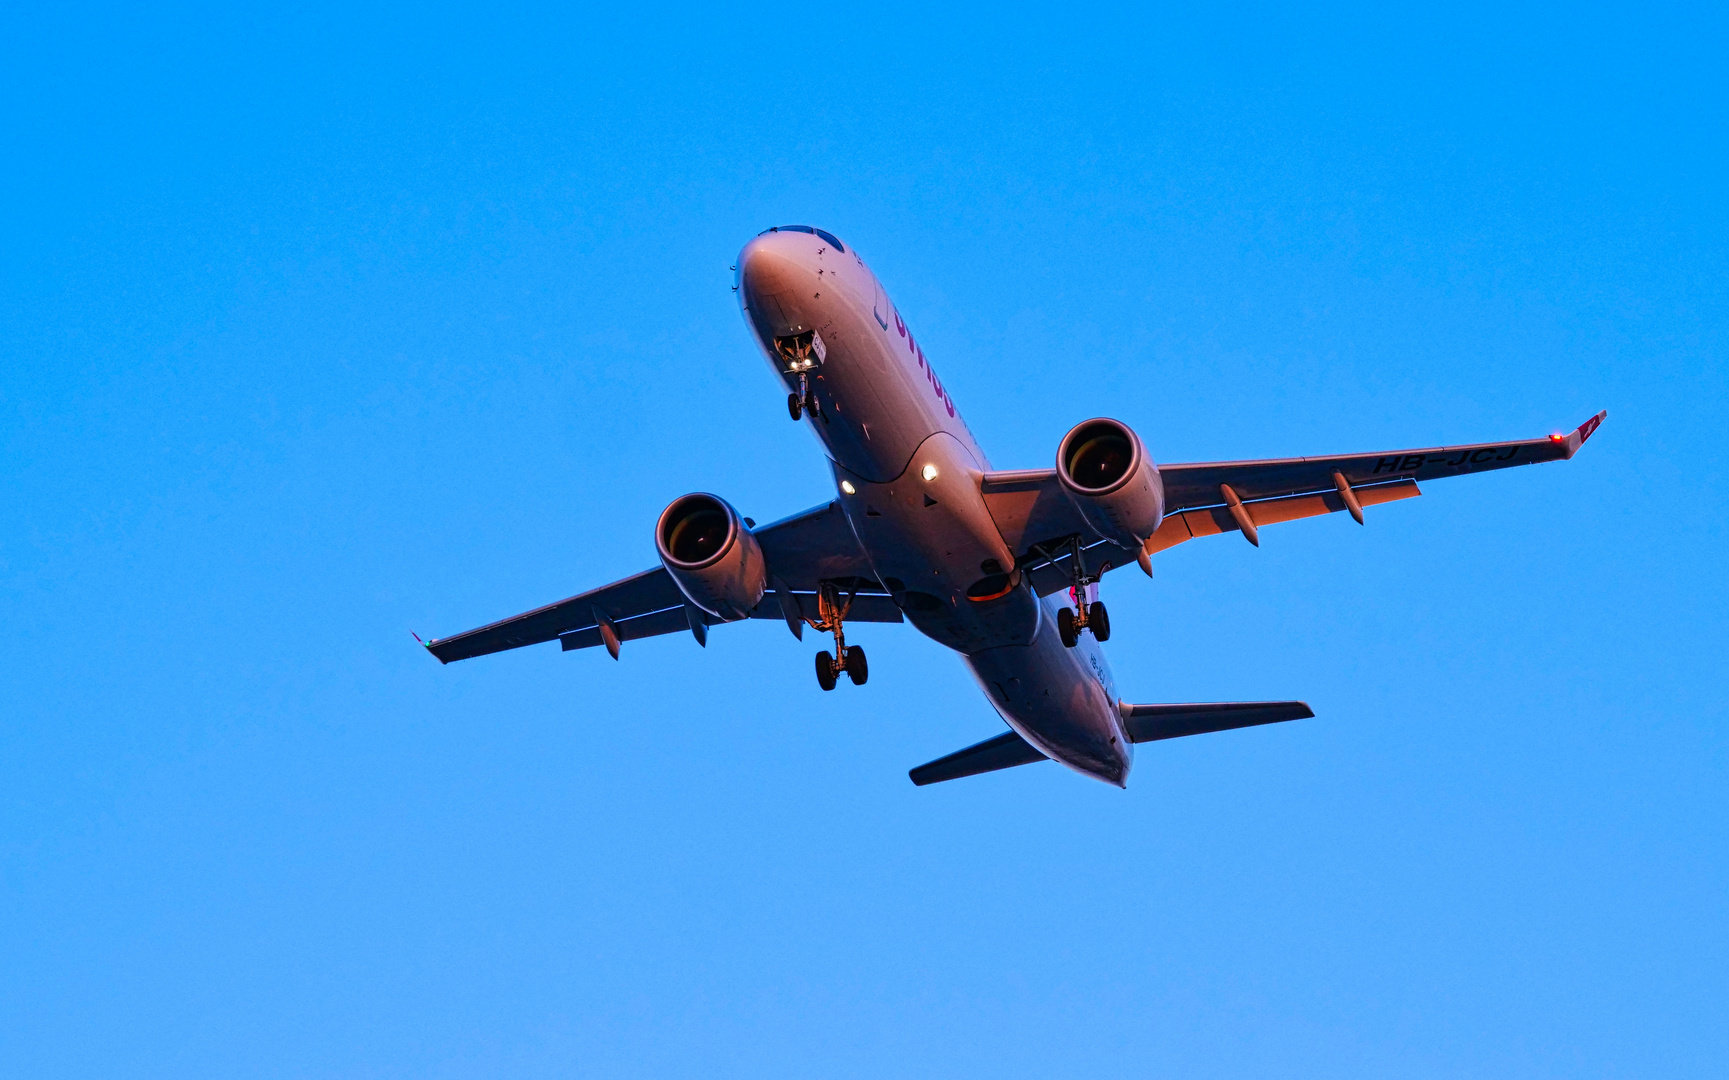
[794, 405]
[825, 671]
[1066, 628]
[855, 665]
[1099, 622]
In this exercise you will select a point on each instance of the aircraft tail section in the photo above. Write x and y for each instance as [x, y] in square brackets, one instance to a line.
[1145, 723]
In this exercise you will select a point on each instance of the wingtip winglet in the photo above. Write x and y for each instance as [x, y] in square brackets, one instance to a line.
[1585, 431]
[427, 645]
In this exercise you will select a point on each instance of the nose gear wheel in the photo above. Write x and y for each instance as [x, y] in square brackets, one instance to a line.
[802, 402]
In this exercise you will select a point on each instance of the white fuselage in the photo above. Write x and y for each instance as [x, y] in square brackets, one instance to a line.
[908, 475]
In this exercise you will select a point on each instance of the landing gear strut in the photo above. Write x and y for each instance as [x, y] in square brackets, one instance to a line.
[831, 613]
[1088, 612]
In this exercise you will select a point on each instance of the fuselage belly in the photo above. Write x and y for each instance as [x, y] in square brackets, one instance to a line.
[908, 472]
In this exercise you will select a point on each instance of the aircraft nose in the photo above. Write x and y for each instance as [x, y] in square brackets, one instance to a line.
[768, 267]
[771, 276]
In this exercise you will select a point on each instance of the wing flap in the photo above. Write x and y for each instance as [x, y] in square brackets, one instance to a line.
[1189, 524]
[654, 623]
[866, 607]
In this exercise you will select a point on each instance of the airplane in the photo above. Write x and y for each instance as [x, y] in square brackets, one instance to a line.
[1003, 567]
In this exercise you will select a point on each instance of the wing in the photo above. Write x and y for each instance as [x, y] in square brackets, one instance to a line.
[1145, 723]
[801, 552]
[1191, 486]
[1208, 498]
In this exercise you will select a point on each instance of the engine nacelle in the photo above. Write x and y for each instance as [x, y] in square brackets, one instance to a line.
[713, 557]
[1112, 481]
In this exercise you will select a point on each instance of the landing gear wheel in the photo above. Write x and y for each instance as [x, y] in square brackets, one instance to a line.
[855, 666]
[1098, 622]
[794, 405]
[825, 670]
[1066, 628]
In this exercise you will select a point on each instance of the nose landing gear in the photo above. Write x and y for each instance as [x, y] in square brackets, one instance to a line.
[831, 613]
[802, 352]
[803, 400]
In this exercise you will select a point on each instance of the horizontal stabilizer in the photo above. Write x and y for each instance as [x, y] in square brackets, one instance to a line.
[1003, 752]
[1150, 723]
[1145, 723]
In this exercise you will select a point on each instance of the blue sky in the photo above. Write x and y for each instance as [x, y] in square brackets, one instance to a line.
[325, 326]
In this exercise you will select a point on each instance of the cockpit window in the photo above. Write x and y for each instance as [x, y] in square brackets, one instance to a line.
[830, 237]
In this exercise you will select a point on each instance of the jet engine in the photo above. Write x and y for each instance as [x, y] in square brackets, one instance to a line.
[1112, 481]
[713, 557]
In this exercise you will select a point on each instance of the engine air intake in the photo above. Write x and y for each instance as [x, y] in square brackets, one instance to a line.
[1112, 481]
[1098, 454]
[712, 555]
[694, 530]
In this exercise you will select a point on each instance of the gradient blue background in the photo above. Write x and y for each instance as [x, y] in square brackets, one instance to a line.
[318, 328]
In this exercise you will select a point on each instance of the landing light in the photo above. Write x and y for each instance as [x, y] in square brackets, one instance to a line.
[929, 473]
[846, 486]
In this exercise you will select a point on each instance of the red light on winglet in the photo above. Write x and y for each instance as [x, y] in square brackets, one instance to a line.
[1557, 438]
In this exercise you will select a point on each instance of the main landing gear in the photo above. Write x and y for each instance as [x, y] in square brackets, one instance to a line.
[851, 659]
[1089, 611]
[1092, 617]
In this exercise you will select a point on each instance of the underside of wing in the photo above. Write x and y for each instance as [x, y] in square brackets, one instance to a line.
[626, 600]
[1042, 526]
[1198, 485]
[815, 546]
[800, 554]
[1037, 521]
